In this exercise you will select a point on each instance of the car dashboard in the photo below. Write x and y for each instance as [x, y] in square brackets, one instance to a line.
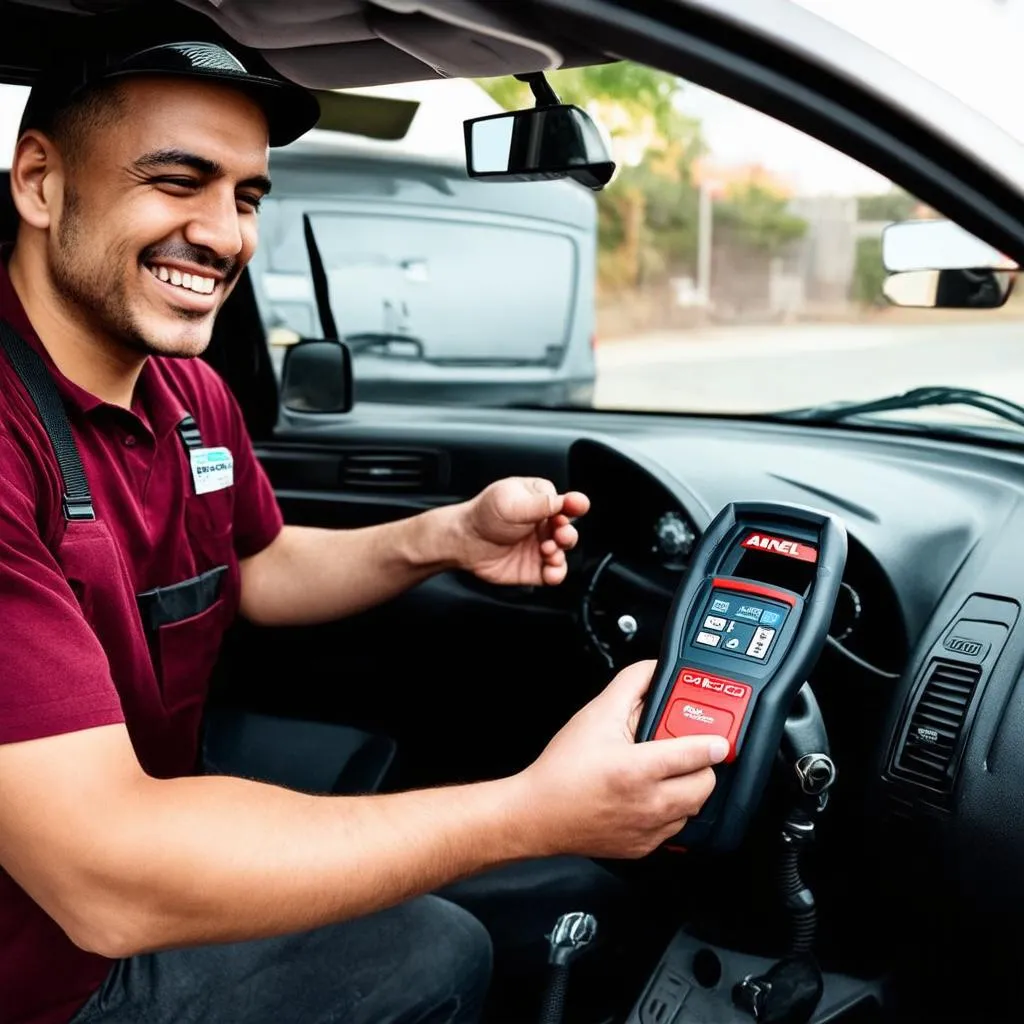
[919, 682]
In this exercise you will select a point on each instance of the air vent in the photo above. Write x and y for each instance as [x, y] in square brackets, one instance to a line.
[932, 738]
[390, 470]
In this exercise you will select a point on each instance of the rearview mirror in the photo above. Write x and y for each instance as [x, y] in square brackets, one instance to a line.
[937, 245]
[950, 289]
[317, 377]
[555, 141]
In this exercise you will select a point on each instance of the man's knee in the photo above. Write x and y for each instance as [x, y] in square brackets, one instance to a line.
[447, 960]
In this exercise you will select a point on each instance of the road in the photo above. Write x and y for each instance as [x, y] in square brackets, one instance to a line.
[756, 369]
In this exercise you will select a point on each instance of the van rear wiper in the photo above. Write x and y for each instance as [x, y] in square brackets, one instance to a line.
[917, 398]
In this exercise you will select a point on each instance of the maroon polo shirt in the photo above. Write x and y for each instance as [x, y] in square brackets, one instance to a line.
[74, 651]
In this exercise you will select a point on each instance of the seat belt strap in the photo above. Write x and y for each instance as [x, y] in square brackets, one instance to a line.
[76, 500]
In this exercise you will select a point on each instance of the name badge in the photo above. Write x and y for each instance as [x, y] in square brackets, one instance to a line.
[213, 469]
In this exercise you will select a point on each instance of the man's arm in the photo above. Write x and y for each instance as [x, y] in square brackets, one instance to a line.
[126, 863]
[515, 531]
[309, 575]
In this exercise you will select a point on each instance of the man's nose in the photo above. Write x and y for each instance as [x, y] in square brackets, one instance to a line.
[215, 225]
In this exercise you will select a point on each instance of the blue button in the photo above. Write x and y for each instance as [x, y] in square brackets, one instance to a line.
[720, 606]
[748, 612]
[770, 618]
[737, 637]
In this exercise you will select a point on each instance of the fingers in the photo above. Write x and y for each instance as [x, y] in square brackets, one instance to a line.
[548, 503]
[673, 757]
[561, 535]
[553, 574]
[626, 691]
[685, 796]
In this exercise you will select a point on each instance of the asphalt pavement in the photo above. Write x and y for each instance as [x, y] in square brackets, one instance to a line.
[769, 368]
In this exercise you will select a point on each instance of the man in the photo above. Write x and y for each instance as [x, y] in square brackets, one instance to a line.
[133, 889]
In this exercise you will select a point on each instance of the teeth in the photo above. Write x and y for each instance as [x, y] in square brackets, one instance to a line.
[193, 282]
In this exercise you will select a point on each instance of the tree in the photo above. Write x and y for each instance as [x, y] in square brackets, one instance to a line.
[647, 215]
[869, 273]
[759, 218]
[890, 206]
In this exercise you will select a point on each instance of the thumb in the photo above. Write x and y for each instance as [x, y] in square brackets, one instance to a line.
[670, 758]
[543, 499]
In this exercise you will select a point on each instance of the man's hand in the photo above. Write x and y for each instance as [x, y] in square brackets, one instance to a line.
[517, 531]
[596, 792]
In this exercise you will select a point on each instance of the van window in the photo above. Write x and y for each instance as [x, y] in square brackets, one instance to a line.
[468, 290]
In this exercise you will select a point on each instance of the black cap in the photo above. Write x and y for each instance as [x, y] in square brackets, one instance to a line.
[290, 109]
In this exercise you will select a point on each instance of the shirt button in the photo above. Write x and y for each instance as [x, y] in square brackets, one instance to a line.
[129, 440]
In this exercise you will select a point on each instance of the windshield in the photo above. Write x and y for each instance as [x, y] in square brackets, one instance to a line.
[733, 265]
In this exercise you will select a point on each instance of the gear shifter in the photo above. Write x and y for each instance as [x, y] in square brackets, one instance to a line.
[569, 939]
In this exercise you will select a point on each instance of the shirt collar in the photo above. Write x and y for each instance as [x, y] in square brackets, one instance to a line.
[153, 400]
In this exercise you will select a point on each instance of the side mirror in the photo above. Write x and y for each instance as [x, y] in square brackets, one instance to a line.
[540, 144]
[937, 245]
[950, 289]
[317, 377]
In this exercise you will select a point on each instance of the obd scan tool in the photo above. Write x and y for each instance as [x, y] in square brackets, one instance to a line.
[745, 628]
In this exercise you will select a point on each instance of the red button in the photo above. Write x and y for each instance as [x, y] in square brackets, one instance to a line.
[695, 718]
[703, 704]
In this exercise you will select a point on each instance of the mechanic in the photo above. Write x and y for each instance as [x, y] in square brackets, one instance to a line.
[133, 888]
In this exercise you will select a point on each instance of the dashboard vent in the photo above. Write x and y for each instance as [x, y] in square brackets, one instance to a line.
[936, 723]
[390, 470]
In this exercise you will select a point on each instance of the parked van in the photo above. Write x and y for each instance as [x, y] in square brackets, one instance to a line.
[447, 289]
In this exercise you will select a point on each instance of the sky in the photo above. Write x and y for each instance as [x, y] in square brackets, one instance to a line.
[972, 48]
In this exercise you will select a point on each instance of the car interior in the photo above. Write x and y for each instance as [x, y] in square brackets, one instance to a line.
[916, 860]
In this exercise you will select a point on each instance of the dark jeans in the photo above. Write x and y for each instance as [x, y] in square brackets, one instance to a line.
[427, 961]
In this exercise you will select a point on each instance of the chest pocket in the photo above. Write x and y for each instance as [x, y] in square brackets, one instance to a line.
[185, 621]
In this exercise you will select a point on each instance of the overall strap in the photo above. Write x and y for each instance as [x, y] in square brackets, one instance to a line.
[188, 431]
[29, 366]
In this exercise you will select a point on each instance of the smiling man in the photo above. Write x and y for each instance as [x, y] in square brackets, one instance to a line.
[131, 887]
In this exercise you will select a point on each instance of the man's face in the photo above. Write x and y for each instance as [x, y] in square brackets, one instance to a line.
[159, 214]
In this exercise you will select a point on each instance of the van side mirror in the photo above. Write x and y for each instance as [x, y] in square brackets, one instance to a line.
[317, 377]
[539, 144]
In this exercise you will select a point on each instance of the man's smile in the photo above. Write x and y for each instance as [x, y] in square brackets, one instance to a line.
[192, 290]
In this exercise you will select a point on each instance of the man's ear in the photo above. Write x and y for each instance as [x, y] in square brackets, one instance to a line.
[36, 179]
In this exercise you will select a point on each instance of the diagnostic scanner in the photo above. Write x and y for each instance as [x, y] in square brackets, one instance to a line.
[745, 629]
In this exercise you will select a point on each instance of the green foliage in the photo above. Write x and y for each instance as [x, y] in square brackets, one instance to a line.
[637, 104]
[639, 89]
[759, 218]
[869, 273]
[893, 205]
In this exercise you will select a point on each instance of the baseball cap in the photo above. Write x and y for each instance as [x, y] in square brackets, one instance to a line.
[290, 109]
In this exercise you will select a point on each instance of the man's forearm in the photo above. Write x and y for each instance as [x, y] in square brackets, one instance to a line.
[309, 575]
[214, 859]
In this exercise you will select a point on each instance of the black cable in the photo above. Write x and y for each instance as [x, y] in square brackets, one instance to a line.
[553, 1009]
[860, 662]
[797, 898]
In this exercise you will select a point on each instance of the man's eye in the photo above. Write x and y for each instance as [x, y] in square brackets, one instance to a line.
[184, 183]
[253, 202]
